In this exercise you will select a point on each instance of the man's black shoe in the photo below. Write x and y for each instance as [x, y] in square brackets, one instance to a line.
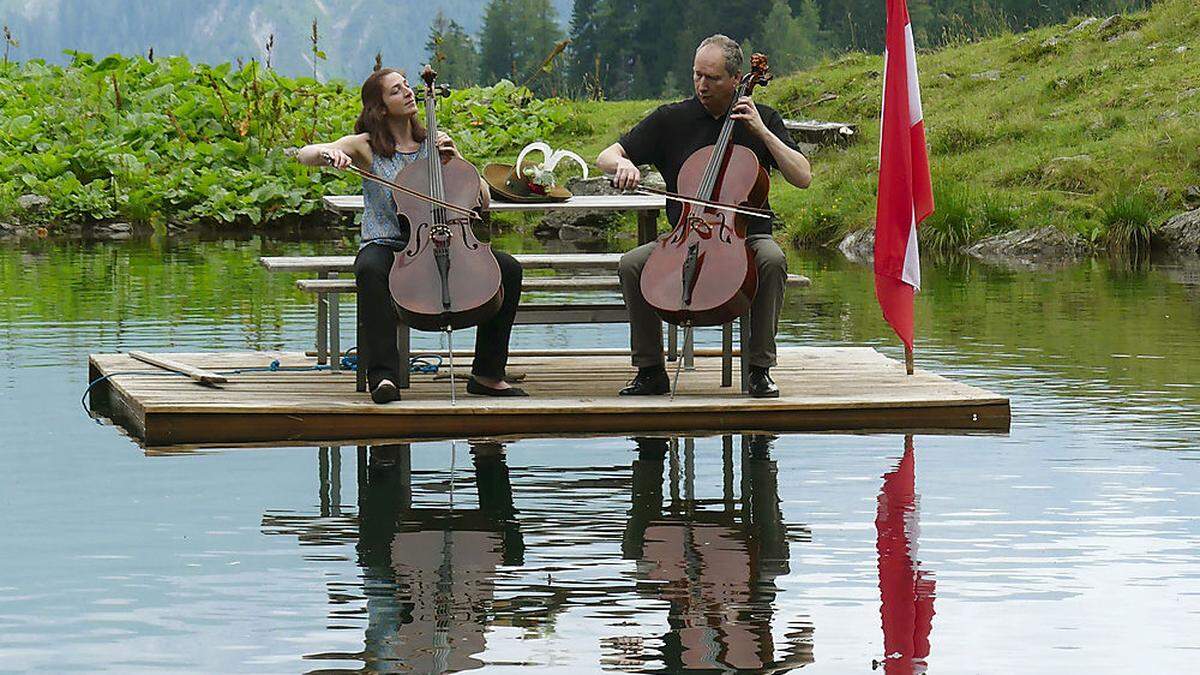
[649, 382]
[385, 392]
[761, 384]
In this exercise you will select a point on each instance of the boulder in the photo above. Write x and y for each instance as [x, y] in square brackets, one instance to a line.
[32, 203]
[1181, 234]
[1192, 195]
[859, 246]
[1030, 248]
[989, 75]
[1083, 24]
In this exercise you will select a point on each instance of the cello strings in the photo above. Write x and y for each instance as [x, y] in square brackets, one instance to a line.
[409, 191]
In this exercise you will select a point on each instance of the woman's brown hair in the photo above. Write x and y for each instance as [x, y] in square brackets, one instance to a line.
[373, 118]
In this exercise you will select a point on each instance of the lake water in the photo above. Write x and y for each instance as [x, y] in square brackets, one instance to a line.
[1069, 545]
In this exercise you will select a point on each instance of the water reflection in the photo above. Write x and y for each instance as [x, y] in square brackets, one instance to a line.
[906, 591]
[714, 561]
[430, 571]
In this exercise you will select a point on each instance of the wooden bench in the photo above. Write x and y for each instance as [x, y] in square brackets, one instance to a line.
[329, 286]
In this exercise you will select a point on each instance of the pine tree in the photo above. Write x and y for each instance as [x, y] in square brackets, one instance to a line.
[791, 42]
[516, 39]
[582, 64]
[452, 53]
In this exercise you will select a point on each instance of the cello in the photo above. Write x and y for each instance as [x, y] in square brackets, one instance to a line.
[445, 278]
[701, 273]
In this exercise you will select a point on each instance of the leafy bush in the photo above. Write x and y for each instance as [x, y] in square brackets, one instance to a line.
[170, 140]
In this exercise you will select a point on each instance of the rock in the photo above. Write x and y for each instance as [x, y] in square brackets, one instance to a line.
[597, 185]
[1117, 26]
[946, 76]
[1192, 195]
[1083, 24]
[586, 225]
[1029, 248]
[575, 233]
[1162, 193]
[1180, 49]
[1187, 93]
[821, 133]
[1050, 43]
[32, 203]
[1181, 234]
[859, 246]
[990, 75]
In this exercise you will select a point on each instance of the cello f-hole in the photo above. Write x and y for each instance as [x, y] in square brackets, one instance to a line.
[417, 239]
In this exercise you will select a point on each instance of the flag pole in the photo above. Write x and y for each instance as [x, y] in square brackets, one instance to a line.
[908, 359]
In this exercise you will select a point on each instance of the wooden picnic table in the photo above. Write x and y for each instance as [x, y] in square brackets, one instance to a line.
[646, 207]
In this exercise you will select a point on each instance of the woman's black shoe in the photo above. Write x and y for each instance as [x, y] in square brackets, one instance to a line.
[648, 383]
[761, 384]
[385, 392]
[473, 387]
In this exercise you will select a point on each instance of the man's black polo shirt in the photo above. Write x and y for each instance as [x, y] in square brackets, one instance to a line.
[670, 134]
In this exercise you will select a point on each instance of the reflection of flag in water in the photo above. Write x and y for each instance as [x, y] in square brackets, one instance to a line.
[905, 190]
[906, 593]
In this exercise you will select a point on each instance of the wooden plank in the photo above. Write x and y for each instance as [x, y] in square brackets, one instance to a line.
[198, 374]
[823, 389]
[229, 428]
[345, 263]
[354, 203]
[528, 285]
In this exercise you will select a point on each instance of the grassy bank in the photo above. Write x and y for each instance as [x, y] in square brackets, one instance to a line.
[1094, 131]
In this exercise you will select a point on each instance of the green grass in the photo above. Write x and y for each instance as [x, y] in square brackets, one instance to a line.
[1092, 136]
[1064, 132]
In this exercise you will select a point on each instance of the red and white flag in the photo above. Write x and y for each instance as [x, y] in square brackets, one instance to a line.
[905, 191]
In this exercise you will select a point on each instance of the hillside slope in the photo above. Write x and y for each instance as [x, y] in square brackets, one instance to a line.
[1092, 127]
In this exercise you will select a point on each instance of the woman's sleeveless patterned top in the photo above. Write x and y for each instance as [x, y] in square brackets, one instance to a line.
[379, 222]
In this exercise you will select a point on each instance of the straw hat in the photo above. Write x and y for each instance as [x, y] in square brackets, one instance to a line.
[508, 182]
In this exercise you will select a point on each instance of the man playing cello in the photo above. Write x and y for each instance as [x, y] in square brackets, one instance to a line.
[665, 139]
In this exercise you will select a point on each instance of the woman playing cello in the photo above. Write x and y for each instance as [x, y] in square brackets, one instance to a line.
[388, 137]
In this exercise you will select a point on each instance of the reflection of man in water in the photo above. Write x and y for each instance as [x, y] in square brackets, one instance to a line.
[906, 593]
[716, 568]
[428, 572]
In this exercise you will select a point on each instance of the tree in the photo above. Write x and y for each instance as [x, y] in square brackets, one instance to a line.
[583, 64]
[516, 39]
[452, 53]
[791, 42]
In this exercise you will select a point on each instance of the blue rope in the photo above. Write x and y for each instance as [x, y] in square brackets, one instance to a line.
[425, 363]
[105, 378]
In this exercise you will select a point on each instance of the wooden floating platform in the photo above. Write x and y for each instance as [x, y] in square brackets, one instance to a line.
[824, 389]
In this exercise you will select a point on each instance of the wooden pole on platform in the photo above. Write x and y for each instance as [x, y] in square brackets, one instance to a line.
[198, 374]
[908, 360]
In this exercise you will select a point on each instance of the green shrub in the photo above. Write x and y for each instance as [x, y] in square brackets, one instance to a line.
[146, 141]
[1128, 216]
[950, 226]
